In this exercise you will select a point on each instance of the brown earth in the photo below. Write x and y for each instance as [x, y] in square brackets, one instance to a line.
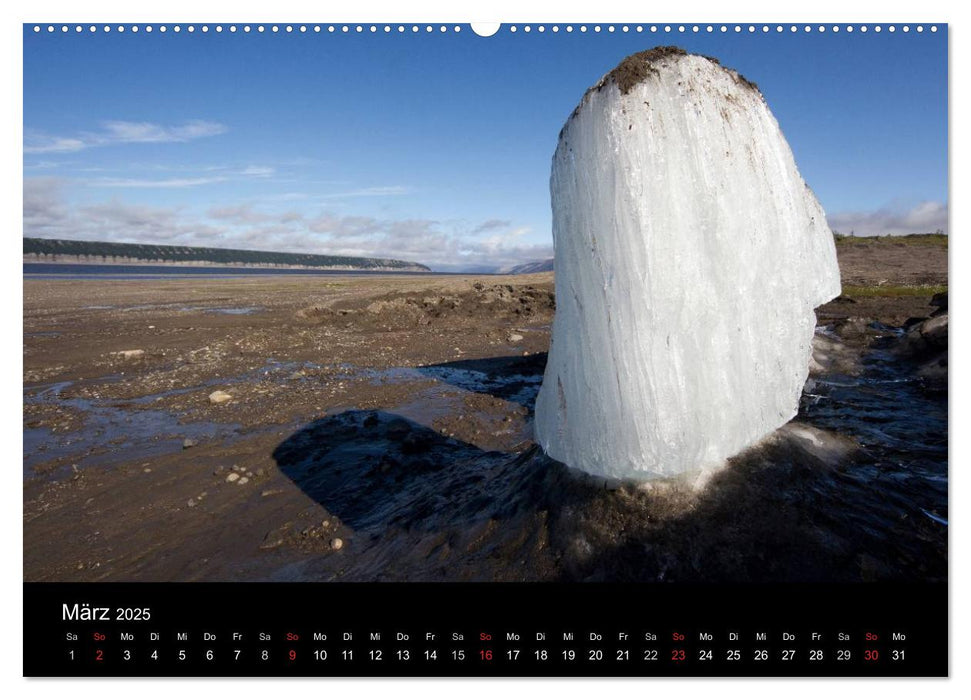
[889, 279]
[132, 473]
[893, 261]
[129, 504]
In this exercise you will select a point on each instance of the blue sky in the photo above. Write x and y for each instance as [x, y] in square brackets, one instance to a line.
[429, 147]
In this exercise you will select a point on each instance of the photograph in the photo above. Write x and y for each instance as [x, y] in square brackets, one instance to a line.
[554, 304]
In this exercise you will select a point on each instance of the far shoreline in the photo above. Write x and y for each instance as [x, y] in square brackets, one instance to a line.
[87, 270]
[32, 259]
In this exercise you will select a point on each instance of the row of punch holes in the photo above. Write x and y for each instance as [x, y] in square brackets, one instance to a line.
[486, 31]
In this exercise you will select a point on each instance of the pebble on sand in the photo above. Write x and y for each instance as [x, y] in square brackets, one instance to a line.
[336, 543]
[515, 338]
[219, 396]
[130, 354]
[232, 476]
[187, 443]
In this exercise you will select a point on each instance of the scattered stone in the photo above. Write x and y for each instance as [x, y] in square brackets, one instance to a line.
[218, 470]
[232, 476]
[236, 468]
[336, 543]
[270, 492]
[147, 470]
[325, 524]
[926, 338]
[191, 503]
[935, 370]
[130, 354]
[244, 480]
[187, 443]
[853, 328]
[219, 396]
[515, 338]
[274, 538]
[934, 331]
[260, 472]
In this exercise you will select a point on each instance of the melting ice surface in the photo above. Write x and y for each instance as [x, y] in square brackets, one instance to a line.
[690, 256]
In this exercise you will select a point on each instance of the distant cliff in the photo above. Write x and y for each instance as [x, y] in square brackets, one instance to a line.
[527, 268]
[94, 252]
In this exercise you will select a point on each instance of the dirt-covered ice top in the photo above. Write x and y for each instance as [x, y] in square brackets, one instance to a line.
[640, 66]
[637, 67]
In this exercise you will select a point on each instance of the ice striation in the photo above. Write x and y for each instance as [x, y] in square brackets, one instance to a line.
[690, 256]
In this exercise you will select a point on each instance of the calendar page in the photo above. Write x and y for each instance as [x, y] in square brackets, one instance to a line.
[544, 349]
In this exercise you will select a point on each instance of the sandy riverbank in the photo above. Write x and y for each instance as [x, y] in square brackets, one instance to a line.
[379, 428]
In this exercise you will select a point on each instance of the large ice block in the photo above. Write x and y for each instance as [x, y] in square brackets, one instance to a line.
[689, 258]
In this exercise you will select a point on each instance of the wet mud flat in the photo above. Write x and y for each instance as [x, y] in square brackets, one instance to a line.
[379, 428]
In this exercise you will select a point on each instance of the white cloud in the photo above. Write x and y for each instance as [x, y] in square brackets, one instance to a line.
[146, 132]
[211, 175]
[387, 191]
[492, 225]
[245, 214]
[343, 227]
[44, 165]
[44, 211]
[891, 220]
[46, 214]
[504, 241]
[115, 132]
[257, 171]
[168, 183]
[41, 143]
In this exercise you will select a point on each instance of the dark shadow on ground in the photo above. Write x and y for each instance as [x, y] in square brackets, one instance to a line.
[436, 508]
[775, 514]
[376, 470]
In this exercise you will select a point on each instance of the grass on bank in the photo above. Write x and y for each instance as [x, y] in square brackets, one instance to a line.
[921, 290]
[935, 240]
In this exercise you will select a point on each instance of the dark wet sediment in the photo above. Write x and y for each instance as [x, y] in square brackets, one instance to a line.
[403, 429]
[854, 490]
